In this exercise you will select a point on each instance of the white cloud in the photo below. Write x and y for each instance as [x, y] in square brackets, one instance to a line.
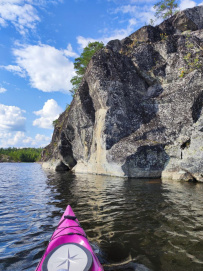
[20, 13]
[19, 139]
[126, 9]
[83, 42]
[11, 2]
[11, 118]
[15, 69]
[4, 135]
[48, 68]
[137, 14]
[3, 22]
[121, 33]
[23, 14]
[37, 141]
[39, 138]
[48, 114]
[143, 10]
[187, 4]
[132, 21]
[115, 34]
[143, 13]
[69, 52]
[16, 138]
[2, 90]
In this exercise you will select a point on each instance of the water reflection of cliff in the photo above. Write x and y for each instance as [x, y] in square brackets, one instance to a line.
[146, 221]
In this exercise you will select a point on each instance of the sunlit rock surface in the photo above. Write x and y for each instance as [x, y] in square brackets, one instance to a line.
[138, 111]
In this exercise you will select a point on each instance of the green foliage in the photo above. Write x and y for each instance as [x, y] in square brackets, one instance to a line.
[193, 63]
[67, 107]
[187, 57]
[135, 43]
[192, 58]
[58, 124]
[190, 45]
[54, 123]
[182, 74]
[20, 155]
[163, 36]
[165, 8]
[81, 63]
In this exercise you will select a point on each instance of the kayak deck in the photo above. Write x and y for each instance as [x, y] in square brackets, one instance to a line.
[69, 249]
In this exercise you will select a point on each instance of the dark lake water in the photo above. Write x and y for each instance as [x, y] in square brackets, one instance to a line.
[157, 224]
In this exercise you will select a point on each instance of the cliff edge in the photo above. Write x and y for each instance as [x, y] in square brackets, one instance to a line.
[138, 111]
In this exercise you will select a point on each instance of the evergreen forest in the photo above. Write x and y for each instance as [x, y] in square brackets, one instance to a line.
[20, 155]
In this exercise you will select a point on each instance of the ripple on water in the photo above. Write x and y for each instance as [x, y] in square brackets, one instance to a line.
[158, 225]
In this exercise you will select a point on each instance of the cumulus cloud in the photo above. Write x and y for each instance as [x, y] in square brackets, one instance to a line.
[19, 139]
[22, 14]
[19, 13]
[15, 139]
[39, 140]
[69, 52]
[11, 118]
[48, 114]
[2, 90]
[187, 4]
[48, 68]
[83, 42]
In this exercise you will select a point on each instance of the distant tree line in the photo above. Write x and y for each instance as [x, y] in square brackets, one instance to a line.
[20, 155]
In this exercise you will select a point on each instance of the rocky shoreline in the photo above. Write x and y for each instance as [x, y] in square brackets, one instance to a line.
[6, 159]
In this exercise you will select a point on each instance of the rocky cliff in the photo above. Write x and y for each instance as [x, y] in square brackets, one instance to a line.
[138, 111]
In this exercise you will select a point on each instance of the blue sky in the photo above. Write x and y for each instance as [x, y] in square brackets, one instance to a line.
[39, 40]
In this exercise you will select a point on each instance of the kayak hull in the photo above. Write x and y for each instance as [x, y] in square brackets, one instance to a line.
[69, 231]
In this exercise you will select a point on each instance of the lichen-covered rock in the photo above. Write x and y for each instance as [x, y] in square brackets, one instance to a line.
[138, 111]
[189, 19]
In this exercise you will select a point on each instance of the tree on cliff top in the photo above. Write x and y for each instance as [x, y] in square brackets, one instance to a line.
[81, 63]
[165, 8]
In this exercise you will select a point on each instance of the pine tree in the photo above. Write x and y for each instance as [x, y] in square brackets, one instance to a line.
[165, 8]
[81, 63]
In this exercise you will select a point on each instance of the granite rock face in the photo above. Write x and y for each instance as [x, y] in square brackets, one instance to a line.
[138, 111]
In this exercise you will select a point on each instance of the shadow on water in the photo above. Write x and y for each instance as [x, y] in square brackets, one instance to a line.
[133, 224]
[134, 221]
